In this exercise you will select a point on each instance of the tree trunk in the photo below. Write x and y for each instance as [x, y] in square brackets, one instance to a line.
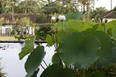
[83, 8]
[111, 4]
[26, 8]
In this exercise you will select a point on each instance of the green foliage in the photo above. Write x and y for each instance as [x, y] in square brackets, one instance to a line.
[110, 28]
[81, 50]
[56, 71]
[25, 21]
[95, 74]
[111, 60]
[55, 58]
[106, 44]
[34, 60]
[1, 74]
[43, 32]
[114, 10]
[29, 7]
[29, 46]
[22, 37]
[57, 7]
[77, 16]
[35, 73]
[49, 39]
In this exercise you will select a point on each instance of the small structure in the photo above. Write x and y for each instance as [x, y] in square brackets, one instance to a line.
[14, 19]
[109, 16]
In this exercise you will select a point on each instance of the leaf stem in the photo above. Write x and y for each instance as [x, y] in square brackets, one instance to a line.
[83, 72]
[45, 63]
[60, 61]
[42, 66]
[108, 71]
[104, 28]
[56, 46]
[62, 24]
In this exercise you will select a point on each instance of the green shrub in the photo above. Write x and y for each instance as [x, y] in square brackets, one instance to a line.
[43, 32]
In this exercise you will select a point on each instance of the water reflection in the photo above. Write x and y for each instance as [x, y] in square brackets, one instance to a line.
[10, 60]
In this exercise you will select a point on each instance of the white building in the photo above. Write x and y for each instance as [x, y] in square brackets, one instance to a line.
[15, 19]
[5, 29]
[109, 16]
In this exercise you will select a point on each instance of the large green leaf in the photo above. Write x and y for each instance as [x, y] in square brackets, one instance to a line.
[34, 60]
[100, 27]
[94, 28]
[70, 30]
[109, 31]
[111, 28]
[106, 44]
[113, 22]
[114, 33]
[108, 25]
[49, 40]
[89, 22]
[55, 58]
[63, 33]
[77, 25]
[29, 46]
[74, 24]
[86, 32]
[59, 25]
[77, 16]
[111, 60]
[35, 73]
[79, 50]
[56, 71]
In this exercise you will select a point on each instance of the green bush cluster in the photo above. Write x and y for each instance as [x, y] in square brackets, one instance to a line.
[42, 33]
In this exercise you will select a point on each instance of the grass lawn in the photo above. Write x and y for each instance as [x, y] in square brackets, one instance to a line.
[5, 38]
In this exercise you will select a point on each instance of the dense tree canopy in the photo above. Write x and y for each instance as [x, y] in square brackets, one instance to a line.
[56, 7]
[47, 8]
[114, 10]
[30, 7]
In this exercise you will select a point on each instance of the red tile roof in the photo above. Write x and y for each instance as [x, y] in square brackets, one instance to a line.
[108, 14]
[32, 17]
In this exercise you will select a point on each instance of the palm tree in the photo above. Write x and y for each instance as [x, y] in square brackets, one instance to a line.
[111, 4]
[86, 4]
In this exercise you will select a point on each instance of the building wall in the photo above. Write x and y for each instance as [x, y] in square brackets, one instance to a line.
[5, 29]
[29, 29]
[109, 19]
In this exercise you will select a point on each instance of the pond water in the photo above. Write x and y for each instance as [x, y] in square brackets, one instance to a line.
[12, 66]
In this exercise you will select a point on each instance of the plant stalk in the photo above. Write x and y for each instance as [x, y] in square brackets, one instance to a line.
[56, 46]
[42, 66]
[45, 63]
[83, 72]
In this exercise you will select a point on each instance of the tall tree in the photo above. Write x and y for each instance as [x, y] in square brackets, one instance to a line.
[57, 7]
[86, 4]
[30, 6]
[7, 5]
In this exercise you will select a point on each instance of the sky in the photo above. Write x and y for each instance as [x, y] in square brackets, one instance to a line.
[106, 4]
